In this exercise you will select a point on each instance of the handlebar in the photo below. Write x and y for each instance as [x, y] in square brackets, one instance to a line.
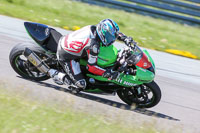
[132, 46]
[124, 67]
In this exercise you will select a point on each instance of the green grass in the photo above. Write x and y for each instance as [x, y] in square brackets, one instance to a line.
[149, 32]
[19, 114]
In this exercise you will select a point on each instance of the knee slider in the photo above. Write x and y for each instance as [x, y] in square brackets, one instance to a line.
[81, 83]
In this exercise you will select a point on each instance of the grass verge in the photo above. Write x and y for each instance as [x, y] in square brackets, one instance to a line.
[149, 32]
[19, 114]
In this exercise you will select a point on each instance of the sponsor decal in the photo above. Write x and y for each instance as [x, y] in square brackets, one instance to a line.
[47, 31]
[145, 64]
[125, 82]
[129, 84]
[119, 80]
[32, 61]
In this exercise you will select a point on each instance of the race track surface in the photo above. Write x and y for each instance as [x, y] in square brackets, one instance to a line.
[178, 78]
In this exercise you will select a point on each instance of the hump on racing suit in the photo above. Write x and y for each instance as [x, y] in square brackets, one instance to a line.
[75, 42]
[80, 43]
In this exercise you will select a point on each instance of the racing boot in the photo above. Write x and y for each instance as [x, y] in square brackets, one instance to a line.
[73, 72]
[58, 77]
[62, 78]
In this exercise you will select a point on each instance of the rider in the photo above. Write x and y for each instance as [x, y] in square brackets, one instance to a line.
[86, 42]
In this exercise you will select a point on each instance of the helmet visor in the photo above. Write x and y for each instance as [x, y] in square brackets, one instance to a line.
[109, 38]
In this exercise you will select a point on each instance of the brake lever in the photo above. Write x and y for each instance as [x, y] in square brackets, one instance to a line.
[123, 67]
[134, 44]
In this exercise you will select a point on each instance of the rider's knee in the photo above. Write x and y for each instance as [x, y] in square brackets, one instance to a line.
[81, 84]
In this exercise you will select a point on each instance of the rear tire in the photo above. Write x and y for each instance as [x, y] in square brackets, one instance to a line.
[152, 86]
[18, 64]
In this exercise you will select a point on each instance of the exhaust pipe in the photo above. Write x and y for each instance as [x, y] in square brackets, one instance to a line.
[36, 61]
[44, 68]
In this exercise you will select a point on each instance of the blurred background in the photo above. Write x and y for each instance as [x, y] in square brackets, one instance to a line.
[164, 27]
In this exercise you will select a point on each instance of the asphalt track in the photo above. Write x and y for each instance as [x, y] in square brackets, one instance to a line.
[178, 78]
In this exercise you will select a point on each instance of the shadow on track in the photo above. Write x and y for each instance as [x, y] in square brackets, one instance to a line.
[108, 102]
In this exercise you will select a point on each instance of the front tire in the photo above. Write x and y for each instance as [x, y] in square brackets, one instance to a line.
[22, 66]
[142, 100]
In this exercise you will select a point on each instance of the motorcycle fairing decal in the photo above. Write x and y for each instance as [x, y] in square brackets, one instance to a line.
[75, 46]
[95, 70]
[119, 80]
[123, 80]
[129, 83]
[144, 62]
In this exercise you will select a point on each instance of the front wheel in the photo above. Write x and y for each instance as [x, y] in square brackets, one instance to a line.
[143, 96]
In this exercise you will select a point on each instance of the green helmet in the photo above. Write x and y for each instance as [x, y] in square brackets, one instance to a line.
[107, 31]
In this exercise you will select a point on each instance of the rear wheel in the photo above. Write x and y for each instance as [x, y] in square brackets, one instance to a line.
[143, 96]
[22, 66]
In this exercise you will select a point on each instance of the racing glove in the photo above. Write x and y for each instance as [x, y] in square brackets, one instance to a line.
[121, 36]
[110, 74]
[128, 40]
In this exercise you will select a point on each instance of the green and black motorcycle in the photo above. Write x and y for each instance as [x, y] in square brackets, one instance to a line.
[134, 86]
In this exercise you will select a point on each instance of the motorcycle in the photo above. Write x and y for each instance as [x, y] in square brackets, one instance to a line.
[135, 84]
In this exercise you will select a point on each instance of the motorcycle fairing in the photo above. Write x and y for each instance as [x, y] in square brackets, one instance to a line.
[107, 56]
[46, 37]
[123, 80]
[142, 75]
[39, 32]
[149, 58]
